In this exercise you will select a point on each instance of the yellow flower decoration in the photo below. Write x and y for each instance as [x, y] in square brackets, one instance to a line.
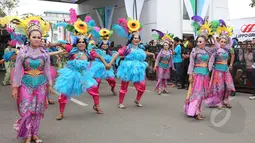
[104, 32]
[206, 29]
[81, 27]
[133, 26]
[225, 30]
[167, 37]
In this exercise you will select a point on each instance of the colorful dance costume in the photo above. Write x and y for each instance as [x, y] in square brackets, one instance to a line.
[10, 51]
[199, 70]
[221, 84]
[76, 77]
[132, 68]
[163, 62]
[32, 86]
[98, 66]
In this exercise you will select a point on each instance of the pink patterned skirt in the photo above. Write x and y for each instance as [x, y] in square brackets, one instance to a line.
[221, 86]
[199, 91]
[163, 73]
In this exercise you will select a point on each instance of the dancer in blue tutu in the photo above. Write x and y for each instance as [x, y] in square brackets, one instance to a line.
[100, 71]
[132, 68]
[77, 77]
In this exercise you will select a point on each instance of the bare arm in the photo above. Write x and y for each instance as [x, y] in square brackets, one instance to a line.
[114, 58]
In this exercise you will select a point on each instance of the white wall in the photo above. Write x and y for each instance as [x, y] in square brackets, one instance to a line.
[169, 16]
[219, 9]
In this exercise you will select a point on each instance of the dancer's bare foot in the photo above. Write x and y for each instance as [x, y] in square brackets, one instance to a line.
[113, 91]
[159, 92]
[98, 109]
[60, 116]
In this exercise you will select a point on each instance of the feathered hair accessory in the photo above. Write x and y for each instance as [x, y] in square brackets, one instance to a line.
[201, 26]
[77, 26]
[80, 29]
[28, 24]
[126, 27]
[221, 29]
[15, 38]
[162, 36]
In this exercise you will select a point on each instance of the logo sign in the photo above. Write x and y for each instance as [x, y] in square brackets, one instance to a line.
[244, 29]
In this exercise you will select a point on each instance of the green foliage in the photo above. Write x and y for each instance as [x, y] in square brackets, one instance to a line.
[8, 5]
[252, 4]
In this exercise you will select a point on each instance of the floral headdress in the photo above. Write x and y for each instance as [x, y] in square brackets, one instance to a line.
[28, 24]
[80, 29]
[221, 29]
[162, 36]
[201, 26]
[125, 28]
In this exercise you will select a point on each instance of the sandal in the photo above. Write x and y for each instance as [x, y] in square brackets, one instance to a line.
[165, 91]
[60, 116]
[138, 104]
[199, 117]
[228, 106]
[97, 108]
[51, 101]
[37, 140]
[121, 106]
[28, 140]
[220, 107]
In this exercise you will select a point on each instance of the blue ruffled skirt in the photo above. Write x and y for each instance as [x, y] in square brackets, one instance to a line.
[74, 79]
[132, 70]
[99, 69]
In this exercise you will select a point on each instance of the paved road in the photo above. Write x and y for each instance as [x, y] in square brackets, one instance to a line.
[161, 120]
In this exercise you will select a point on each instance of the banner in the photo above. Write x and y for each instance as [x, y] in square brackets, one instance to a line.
[189, 7]
[244, 29]
[139, 6]
[129, 5]
[203, 6]
[101, 16]
[134, 8]
[199, 7]
[108, 16]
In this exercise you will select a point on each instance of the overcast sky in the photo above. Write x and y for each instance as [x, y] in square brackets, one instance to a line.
[237, 8]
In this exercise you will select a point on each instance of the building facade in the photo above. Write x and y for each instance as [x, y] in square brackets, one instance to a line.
[171, 16]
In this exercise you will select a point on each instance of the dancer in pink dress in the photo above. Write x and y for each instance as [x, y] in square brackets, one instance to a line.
[221, 85]
[163, 62]
[199, 70]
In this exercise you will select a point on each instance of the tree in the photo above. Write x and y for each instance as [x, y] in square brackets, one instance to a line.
[2, 13]
[8, 5]
[252, 4]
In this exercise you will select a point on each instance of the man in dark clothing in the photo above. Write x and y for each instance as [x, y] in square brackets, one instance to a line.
[186, 55]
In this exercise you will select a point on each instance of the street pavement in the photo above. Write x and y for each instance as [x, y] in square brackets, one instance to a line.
[160, 120]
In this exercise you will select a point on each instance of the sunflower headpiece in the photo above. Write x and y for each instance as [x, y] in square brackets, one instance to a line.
[201, 26]
[78, 28]
[127, 27]
[105, 34]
